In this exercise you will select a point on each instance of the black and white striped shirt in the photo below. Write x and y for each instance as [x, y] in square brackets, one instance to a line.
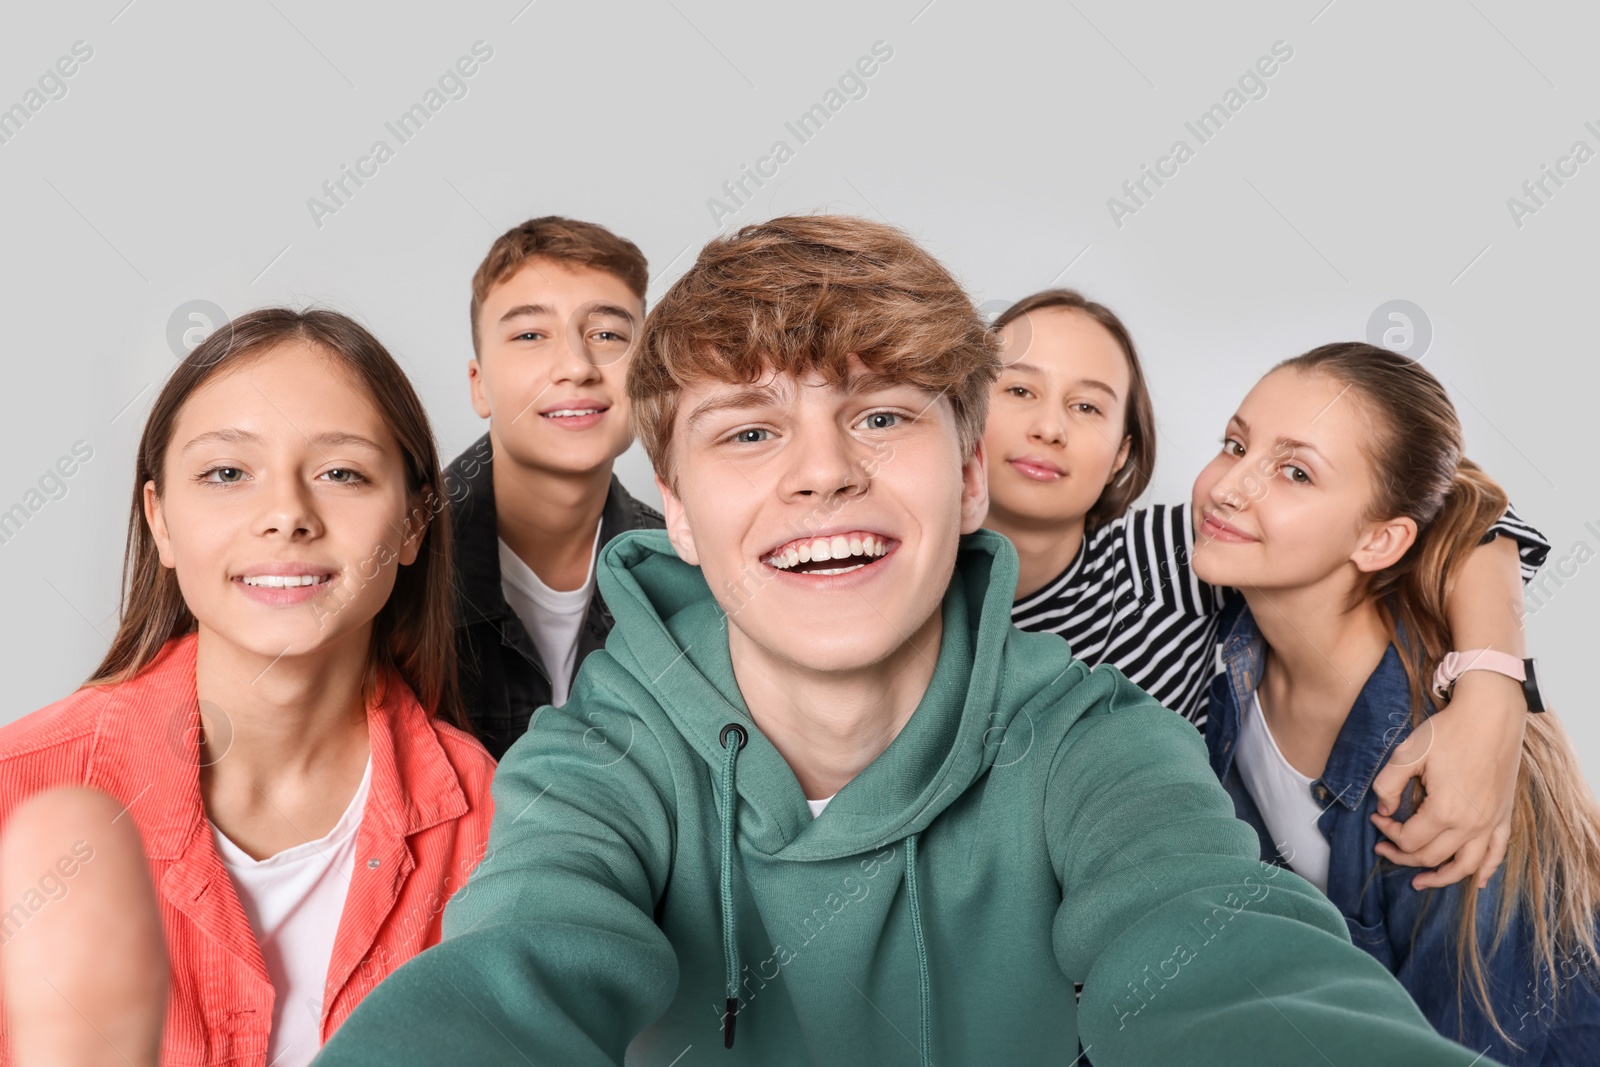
[1130, 599]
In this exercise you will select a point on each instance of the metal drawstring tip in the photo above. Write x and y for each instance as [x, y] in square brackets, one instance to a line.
[728, 1020]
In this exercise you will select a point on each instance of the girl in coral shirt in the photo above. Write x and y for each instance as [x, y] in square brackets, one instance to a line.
[277, 713]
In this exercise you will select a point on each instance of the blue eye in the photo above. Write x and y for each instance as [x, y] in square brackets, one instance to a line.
[881, 420]
[750, 437]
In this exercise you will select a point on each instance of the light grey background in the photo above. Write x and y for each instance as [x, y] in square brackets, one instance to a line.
[1378, 166]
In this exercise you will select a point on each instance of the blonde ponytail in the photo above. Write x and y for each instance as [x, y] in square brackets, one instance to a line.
[1552, 866]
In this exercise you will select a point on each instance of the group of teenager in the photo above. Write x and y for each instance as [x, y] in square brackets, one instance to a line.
[897, 736]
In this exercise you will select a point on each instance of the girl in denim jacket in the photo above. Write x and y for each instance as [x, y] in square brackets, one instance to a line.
[1342, 507]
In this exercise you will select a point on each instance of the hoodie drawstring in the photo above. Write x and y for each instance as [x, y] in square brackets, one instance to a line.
[727, 816]
[730, 925]
[924, 986]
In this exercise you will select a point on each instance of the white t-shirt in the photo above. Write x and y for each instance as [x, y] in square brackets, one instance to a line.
[1283, 795]
[553, 619]
[293, 901]
[816, 806]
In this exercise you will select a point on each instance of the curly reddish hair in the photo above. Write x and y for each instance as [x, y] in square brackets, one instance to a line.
[800, 295]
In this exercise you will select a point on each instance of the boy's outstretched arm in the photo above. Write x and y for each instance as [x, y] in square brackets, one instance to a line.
[1189, 947]
[550, 953]
[1467, 754]
[84, 983]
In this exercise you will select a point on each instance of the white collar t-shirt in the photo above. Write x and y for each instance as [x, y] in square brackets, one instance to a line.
[294, 901]
[553, 618]
[1283, 796]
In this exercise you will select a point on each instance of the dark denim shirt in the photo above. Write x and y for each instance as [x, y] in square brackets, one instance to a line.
[503, 679]
[1551, 1018]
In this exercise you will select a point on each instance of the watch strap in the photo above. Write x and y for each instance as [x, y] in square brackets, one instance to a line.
[1455, 664]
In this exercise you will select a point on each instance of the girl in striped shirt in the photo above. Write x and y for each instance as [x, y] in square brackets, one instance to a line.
[1071, 444]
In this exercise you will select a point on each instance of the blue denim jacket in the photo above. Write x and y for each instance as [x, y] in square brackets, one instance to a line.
[1552, 1018]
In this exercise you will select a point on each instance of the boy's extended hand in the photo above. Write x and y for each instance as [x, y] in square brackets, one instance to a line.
[1467, 756]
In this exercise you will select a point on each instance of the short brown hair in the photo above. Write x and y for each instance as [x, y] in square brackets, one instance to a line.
[1134, 477]
[798, 295]
[563, 240]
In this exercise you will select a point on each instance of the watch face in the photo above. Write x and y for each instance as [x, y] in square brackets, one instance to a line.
[1530, 687]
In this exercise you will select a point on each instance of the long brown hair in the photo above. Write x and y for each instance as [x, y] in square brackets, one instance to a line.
[413, 633]
[1552, 867]
[1140, 424]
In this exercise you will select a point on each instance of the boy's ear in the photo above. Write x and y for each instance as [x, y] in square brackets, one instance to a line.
[678, 529]
[1384, 544]
[975, 489]
[1122, 459]
[158, 526]
[480, 396]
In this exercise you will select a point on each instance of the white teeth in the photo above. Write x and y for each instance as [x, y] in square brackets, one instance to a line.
[568, 413]
[283, 581]
[822, 549]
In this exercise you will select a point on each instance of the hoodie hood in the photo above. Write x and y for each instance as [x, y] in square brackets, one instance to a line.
[672, 636]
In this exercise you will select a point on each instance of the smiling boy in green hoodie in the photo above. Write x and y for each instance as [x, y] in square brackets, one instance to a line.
[818, 801]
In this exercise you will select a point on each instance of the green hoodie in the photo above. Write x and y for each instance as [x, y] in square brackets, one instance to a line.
[1035, 824]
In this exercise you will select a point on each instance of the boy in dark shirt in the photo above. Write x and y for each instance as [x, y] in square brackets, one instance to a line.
[556, 305]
